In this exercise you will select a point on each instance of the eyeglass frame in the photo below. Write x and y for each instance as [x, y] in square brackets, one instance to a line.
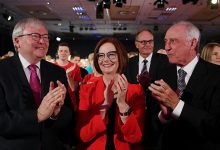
[144, 42]
[108, 55]
[36, 36]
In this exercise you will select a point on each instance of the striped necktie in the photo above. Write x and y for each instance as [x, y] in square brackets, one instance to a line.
[181, 84]
[144, 69]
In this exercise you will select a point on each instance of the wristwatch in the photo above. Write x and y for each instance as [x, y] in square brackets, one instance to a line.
[127, 113]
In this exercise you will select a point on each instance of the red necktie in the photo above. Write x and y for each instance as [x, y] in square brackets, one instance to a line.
[35, 84]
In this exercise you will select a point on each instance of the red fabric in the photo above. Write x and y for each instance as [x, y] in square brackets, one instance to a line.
[92, 129]
[76, 75]
[90, 78]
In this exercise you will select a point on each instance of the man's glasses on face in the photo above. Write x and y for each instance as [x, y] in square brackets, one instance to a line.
[37, 36]
[112, 55]
[144, 42]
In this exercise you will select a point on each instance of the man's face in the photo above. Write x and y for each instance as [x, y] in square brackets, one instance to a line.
[33, 43]
[180, 50]
[144, 43]
[63, 53]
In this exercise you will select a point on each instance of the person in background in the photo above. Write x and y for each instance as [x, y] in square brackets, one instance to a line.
[76, 59]
[36, 112]
[111, 108]
[144, 42]
[72, 70]
[188, 93]
[89, 68]
[211, 53]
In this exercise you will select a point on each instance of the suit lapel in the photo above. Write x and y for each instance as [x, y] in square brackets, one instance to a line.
[19, 75]
[45, 79]
[170, 76]
[133, 69]
[198, 76]
[153, 65]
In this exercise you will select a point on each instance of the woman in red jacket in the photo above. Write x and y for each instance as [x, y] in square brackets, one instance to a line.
[111, 111]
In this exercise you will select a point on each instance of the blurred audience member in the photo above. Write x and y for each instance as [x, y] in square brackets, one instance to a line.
[72, 70]
[211, 53]
[75, 58]
[89, 68]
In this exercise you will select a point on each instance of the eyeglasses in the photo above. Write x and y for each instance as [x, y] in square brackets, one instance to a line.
[37, 36]
[112, 55]
[144, 42]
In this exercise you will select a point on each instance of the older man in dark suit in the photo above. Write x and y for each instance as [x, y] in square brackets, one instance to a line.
[34, 108]
[188, 93]
[144, 42]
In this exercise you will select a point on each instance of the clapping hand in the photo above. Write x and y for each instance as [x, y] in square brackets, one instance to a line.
[52, 102]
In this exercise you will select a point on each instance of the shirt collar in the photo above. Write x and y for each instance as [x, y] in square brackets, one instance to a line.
[190, 66]
[25, 63]
[148, 58]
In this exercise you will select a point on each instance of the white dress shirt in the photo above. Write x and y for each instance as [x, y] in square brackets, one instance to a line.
[25, 65]
[141, 63]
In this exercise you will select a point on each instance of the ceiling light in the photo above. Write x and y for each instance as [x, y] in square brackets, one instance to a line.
[7, 17]
[106, 4]
[71, 28]
[160, 3]
[99, 10]
[213, 4]
[171, 9]
[58, 39]
[119, 3]
[78, 9]
[188, 1]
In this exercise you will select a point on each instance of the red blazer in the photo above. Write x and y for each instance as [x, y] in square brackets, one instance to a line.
[92, 129]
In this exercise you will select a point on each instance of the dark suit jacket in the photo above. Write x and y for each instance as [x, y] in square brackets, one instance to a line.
[158, 63]
[19, 128]
[198, 127]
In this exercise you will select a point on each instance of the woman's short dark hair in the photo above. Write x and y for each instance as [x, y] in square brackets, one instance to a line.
[120, 49]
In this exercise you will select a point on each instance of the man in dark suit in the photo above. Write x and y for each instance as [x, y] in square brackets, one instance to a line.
[188, 93]
[144, 42]
[30, 122]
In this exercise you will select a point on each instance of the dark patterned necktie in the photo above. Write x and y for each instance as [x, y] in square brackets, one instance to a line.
[181, 84]
[35, 84]
[144, 69]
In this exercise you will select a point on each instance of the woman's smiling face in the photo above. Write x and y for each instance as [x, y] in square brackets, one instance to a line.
[108, 59]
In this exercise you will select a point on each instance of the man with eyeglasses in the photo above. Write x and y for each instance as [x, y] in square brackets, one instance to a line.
[35, 111]
[144, 42]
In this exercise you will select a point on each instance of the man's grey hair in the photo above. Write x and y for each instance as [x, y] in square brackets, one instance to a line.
[192, 31]
[20, 26]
